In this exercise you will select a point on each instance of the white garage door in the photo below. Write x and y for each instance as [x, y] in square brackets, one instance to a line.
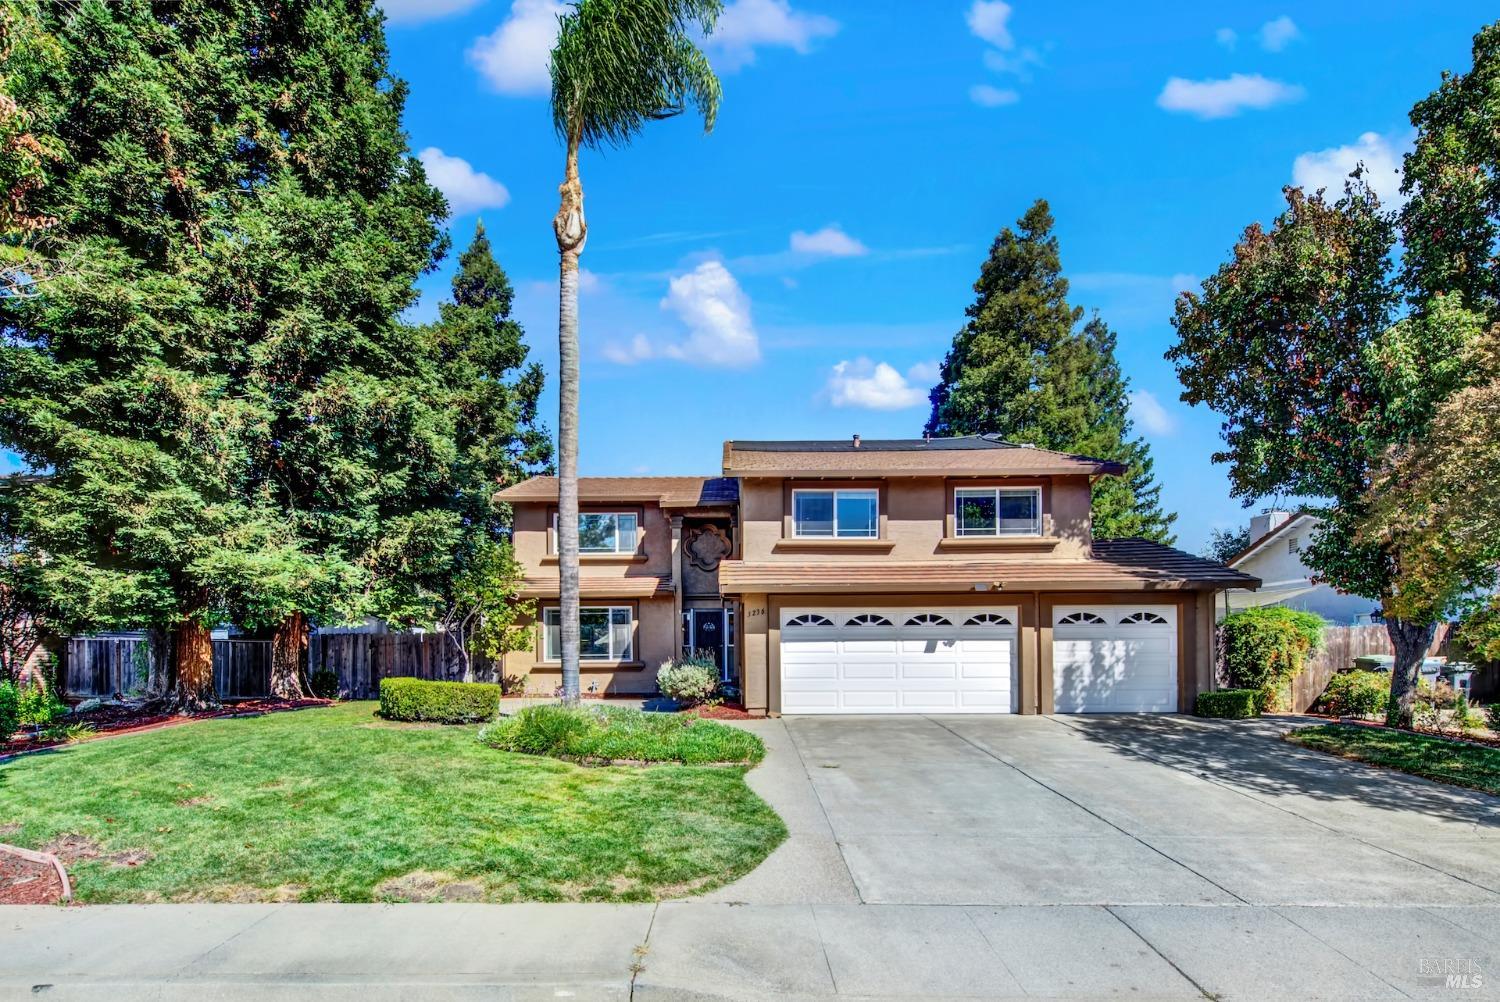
[910, 660]
[1114, 659]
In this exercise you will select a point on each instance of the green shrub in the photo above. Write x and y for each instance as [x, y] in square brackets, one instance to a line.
[38, 705]
[438, 702]
[1229, 704]
[1267, 646]
[621, 734]
[10, 711]
[325, 683]
[1492, 715]
[1356, 694]
[688, 681]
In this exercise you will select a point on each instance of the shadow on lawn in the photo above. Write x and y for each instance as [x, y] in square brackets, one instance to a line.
[1244, 754]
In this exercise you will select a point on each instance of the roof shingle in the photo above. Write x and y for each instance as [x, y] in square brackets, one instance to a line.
[965, 455]
[669, 492]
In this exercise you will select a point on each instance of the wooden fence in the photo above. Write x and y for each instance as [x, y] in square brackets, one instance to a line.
[109, 666]
[1341, 645]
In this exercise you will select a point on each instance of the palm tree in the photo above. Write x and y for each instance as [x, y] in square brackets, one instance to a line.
[617, 65]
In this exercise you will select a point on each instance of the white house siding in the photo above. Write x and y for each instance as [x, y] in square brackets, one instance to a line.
[1286, 581]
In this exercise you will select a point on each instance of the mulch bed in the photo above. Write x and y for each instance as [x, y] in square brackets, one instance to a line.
[27, 880]
[114, 720]
[724, 711]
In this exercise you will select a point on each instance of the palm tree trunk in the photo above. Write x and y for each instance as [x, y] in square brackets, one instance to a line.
[194, 649]
[571, 233]
[288, 653]
[1410, 642]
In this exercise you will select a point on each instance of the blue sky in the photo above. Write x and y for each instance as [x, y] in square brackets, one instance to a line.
[799, 272]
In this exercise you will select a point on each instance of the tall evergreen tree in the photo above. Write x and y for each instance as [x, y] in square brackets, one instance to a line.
[219, 386]
[1028, 368]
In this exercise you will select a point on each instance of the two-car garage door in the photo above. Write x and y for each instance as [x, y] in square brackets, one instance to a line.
[1108, 658]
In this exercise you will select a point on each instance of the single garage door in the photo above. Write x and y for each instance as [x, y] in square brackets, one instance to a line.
[910, 660]
[1114, 659]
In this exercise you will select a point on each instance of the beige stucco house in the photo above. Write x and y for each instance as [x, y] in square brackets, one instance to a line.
[952, 575]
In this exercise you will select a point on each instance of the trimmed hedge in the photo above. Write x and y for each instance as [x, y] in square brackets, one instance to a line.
[438, 702]
[604, 734]
[10, 710]
[1229, 704]
[1267, 646]
[1356, 694]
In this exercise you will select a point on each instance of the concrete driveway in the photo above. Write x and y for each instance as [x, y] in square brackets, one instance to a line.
[972, 857]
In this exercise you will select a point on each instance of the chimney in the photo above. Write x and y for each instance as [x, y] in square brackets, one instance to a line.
[856, 441]
[927, 437]
[1265, 523]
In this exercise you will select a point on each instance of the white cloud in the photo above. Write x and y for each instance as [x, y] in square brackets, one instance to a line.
[988, 20]
[716, 312]
[987, 96]
[878, 386]
[1018, 64]
[1328, 168]
[748, 24]
[1227, 37]
[1277, 34]
[1226, 98]
[1147, 411]
[514, 57]
[467, 189]
[415, 11]
[830, 241]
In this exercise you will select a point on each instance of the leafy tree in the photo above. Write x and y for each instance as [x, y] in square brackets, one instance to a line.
[222, 403]
[27, 149]
[1024, 369]
[617, 65]
[1225, 544]
[483, 616]
[1294, 342]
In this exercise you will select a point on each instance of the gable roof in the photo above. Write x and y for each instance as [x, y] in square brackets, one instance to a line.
[1301, 518]
[669, 492]
[963, 455]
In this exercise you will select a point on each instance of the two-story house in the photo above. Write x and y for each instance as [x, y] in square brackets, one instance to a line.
[953, 575]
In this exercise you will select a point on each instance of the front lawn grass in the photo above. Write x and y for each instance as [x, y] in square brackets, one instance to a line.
[334, 804]
[1459, 763]
[604, 734]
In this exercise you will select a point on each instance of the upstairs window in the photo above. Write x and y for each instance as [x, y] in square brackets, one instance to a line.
[852, 514]
[997, 511]
[606, 531]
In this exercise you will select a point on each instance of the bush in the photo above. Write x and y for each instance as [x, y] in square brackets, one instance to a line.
[1266, 647]
[10, 711]
[324, 683]
[597, 734]
[1229, 704]
[1492, 715]
[38, 704]
[688, 681]
[1356, 694]
[438, 702]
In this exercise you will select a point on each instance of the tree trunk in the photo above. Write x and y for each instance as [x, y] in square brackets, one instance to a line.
[571, 232]
[159, 671]
[1410, 641]
[288, 654]
[195, 668]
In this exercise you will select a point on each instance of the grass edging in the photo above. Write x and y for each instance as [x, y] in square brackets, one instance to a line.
[1455, 762]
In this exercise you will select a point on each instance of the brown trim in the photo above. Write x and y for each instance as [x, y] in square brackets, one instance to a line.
[540, 660]
[601, 558]
[824, 545]
[1010, 544]
[952, 484]
[882, 502]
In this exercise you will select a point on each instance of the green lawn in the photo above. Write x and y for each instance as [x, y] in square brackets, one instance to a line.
[1462, 764]
[334, 804]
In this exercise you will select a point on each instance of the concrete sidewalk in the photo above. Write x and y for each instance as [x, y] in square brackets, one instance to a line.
[705, 950]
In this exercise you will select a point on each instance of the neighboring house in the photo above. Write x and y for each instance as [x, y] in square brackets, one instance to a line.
[1275, 557]
[905, 576]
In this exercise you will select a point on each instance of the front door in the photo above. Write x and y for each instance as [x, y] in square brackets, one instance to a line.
[707, 635]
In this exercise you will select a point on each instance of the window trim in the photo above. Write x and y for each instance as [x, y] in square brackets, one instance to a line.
[835, 491]
[544, 655]
[640, 532]
[1037, 529]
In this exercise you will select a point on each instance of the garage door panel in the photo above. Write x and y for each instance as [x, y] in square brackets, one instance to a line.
[935, 666]
[1126, 664]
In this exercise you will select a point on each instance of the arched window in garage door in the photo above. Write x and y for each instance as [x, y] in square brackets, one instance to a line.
[988, 619]
[811, 619]
[868, 619]
[1143, 618]
[928, 619]
[1081, 619]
